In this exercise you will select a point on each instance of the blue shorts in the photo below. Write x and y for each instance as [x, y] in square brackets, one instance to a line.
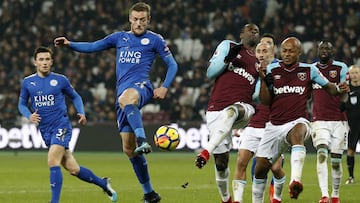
[58, 133]
[146, 93]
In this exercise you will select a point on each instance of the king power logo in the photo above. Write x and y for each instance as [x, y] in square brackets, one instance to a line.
[29, 137]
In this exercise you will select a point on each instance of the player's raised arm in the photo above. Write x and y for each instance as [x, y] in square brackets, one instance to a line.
[217, 63]
[88, 47]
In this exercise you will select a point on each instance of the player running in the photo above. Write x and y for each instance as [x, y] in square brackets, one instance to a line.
[46, 92]
[287, 87]
[329, 126]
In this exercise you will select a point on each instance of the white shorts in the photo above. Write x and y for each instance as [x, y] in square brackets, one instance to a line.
[274, 142]
[331, 133]
[213, 120]
[250, 138]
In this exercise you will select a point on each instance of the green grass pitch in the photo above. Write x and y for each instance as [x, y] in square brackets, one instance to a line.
[24, 178]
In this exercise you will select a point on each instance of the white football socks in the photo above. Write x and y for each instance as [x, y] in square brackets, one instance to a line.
[298, 154]
[258, 188]
[322, 171]
[278, 187]
[337, 173]
[222, 182]
[238, 190]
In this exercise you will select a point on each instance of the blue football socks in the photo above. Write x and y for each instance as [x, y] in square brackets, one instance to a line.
[56, 180]
[133, 116]
[87, 175]
[141, 170]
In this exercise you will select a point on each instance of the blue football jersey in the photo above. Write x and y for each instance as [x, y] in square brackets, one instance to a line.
[134, 54]
[47, 96]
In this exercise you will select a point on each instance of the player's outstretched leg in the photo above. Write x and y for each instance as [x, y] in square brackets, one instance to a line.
[87, 175]
[202, 158]
[133, 116]
[224, 125]
[297, 158]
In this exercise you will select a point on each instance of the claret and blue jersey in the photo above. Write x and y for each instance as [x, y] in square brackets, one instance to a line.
[292, 86]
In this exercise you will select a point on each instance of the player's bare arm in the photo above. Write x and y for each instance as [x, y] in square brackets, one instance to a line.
[344, 87]
[262, 69]
[340, 89]
[265, 94]
[61, 41]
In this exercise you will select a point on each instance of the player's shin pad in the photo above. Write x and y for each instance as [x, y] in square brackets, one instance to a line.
[228, 117]
[231, 114]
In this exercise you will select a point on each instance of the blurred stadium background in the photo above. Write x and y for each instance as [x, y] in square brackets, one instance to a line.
[192, 30]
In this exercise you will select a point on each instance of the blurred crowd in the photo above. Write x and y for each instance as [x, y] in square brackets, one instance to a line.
[191, 28]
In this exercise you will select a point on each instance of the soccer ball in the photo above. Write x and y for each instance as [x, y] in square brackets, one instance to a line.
[166, 138]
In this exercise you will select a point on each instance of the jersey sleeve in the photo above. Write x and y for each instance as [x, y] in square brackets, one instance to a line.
[317, 76]
[256, 94]
[23, 91]
[74, 96]
[99, 45]
[171, 71]
[166, 55]
[271, 66]
[161, 46]
[217, 64]
[23, 101]
[344, 71]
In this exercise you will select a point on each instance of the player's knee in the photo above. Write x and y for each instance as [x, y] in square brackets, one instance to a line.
[243, 161]
[277, 166]
[335, 165]
[130, 153]
[221, 161]
[74, 171]
[241, 165]
[322, 154]
[278, 171]
[129, 150]
[262, 167]
[335, 161]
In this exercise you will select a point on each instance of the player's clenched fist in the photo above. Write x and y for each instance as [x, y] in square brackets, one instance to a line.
[343, 87]
[61, 41]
